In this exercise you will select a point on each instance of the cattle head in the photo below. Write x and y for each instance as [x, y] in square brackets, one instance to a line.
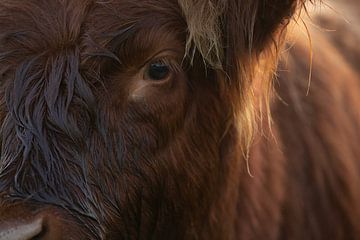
[125, 119]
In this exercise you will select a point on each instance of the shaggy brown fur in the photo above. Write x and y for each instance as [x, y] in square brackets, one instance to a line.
[94, 147]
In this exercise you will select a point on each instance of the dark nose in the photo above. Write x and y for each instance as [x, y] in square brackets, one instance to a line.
[21, 230]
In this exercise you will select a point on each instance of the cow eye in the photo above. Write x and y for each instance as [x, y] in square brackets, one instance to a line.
[158, 71]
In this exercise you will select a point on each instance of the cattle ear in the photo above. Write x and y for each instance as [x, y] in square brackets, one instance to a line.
[250, 25]
[271, 15]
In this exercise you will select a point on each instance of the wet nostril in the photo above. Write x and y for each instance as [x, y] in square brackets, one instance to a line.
[21, 231]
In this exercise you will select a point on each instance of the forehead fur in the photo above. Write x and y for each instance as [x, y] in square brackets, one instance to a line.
[204, 28]
[215, 25]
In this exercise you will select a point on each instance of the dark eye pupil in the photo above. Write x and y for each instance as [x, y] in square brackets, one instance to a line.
[158, 71]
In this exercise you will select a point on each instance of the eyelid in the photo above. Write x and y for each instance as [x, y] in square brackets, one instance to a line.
[170, 57]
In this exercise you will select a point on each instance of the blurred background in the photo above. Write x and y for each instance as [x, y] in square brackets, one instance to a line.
[339, 20]
[330, 29]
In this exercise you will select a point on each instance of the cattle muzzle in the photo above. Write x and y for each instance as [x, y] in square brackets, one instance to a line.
[21, 230]
[45, 224]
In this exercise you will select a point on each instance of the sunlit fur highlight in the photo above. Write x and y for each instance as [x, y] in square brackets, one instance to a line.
[254, 71]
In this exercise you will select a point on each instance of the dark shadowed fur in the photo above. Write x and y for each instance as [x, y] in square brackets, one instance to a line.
[87, 136]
